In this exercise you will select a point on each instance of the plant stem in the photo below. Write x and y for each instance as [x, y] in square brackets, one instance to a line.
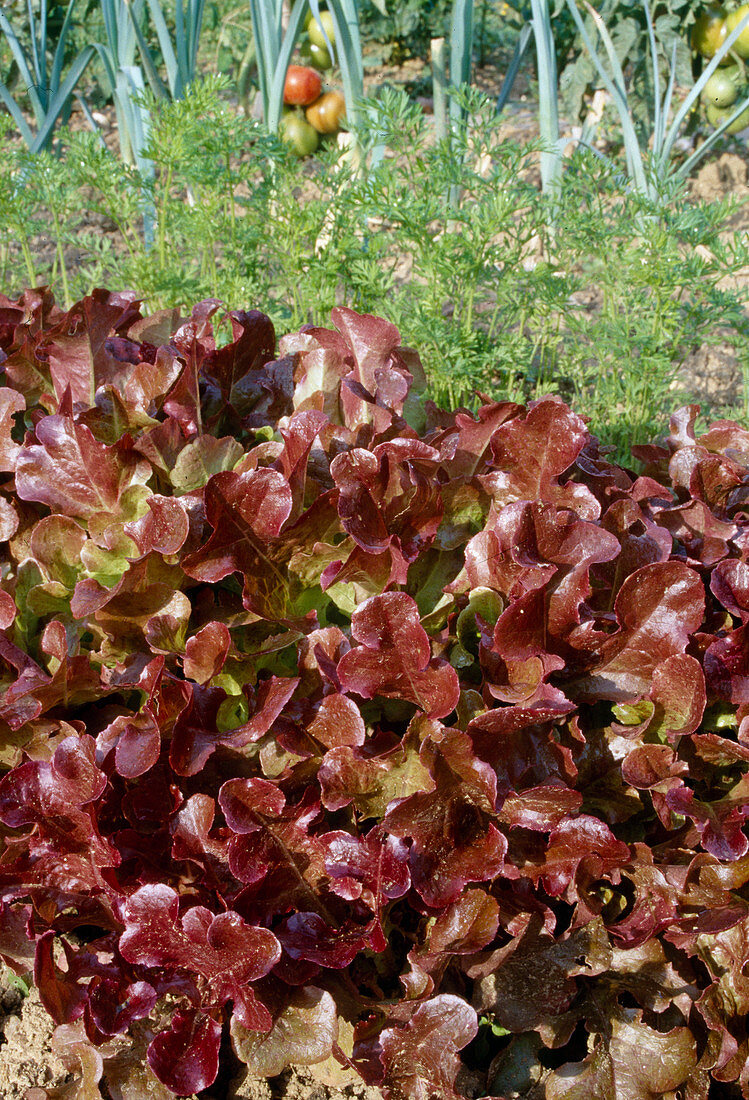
[60, 255]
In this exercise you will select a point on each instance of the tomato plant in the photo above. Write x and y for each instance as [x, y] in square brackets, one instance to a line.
[325, 114]
[303, 86]
[297, 133]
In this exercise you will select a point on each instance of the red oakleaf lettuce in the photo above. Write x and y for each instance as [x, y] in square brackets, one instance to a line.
[394, 657]
[420, 1059]
[222, 949]
[240, 596]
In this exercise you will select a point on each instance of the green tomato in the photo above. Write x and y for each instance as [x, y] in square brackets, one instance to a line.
[716, 116]
[315, 29]
[318, 56]
[709, 32]
[297, 133]
[741, 45]
[722, 89]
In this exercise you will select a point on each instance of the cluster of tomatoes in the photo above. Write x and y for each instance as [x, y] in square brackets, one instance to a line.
[308, 111]
[723, 88]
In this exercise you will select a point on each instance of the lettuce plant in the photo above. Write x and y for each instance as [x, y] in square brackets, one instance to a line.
[359, 734]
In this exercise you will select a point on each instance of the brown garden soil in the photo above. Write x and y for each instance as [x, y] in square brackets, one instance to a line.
[30, 1069]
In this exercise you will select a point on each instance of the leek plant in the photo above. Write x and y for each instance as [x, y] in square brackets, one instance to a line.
[125, 78]
[461, 49]
[548, 99]
[651, 170]
[180, 53]
[439, 87]
[49, 94]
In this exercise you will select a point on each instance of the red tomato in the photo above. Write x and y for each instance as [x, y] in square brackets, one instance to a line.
[302, 87]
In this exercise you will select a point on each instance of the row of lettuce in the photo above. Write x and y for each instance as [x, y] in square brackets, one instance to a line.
[379, 738]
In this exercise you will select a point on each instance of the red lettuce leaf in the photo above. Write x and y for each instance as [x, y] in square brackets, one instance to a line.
[72, 473]
[303, 1033]
[727, 667]
[463, 928]
[196, 735]
[389, 494]
[11, 402]
[657, 607]
[375, 863]
[136, 742]
[57, 798]
[729, 582]
[59, 992]
[394, 658]
[222, 949]
[77, 347]
[309, 936]
[184, 1057]
[112, 1007]
[245, 802]
[237, 368]
[164, 528]
[636, 1062]
[246, 512]
[420, 1060]
[337, 722]
[206, 652]
[454, 842]
[579, 846]
[532, 452]
[535, 976]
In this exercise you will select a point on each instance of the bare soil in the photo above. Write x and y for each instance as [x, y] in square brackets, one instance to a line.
[27, 1061]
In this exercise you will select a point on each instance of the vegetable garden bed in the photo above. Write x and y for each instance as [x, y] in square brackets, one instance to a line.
[342, 730]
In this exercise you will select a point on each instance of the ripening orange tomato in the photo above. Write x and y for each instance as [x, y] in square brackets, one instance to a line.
[326, 113]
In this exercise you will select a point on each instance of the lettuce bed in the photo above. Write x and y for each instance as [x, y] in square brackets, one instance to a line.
[360, 733]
